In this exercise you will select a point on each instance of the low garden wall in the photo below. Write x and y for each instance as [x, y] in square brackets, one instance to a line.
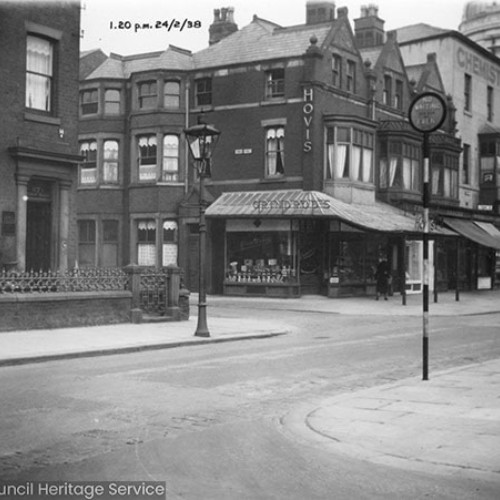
[96, 296]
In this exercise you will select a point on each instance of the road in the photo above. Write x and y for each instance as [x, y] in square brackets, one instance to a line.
[208, 419]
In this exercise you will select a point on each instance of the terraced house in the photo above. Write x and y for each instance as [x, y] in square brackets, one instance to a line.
[39, 139]
[317, 173]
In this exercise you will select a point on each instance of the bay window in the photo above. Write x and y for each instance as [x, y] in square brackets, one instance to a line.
[400, 165]
[112, 102]
[148, 94]
[349, 154]
[444, 174]
[89, 103]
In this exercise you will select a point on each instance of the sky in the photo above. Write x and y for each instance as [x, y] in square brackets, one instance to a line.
[111, 24]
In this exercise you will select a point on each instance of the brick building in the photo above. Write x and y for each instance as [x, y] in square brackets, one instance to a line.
[39, 137]
[317, 173]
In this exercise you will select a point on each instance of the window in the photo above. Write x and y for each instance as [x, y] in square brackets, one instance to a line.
[88, 168]
[88, 102]
[204, 92]
[146, 242]
[147, 157]
[171, 95]
[39, 73]
[86, 243]
[336, 71]
[275, 83]
[489, 103]
[444, 175]
[110, 162]
[398, 95]
[275, 151]
[148, 95]
[467, 92]
[466, 164]
[400, 165]
[351, 76]
[110, 243]
[349, 154]
[169, 250]
[170, 171]
[112, 102]
[387, 92]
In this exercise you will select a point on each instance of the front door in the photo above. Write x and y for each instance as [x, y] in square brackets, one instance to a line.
[311, 257]
[38, 236]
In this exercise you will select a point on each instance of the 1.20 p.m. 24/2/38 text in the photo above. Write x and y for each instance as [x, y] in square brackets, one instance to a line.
[173, 24]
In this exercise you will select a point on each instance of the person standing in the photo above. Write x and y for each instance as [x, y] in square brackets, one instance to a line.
[382, 276]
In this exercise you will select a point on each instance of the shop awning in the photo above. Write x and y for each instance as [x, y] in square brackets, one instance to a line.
[484, 233]
[301, 204]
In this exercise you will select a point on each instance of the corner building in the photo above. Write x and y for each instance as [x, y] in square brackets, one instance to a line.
[39, 138]
[317, 174]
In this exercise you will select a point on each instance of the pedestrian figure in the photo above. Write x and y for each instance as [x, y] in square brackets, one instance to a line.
[382, 276]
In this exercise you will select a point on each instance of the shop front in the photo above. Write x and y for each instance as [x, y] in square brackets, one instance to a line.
[294, 243]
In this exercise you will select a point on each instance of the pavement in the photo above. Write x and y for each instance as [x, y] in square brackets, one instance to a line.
[448, 424]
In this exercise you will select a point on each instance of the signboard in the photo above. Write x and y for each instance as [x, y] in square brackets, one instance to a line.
[427, 112]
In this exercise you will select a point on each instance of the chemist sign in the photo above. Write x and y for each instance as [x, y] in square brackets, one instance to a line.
[427, 112]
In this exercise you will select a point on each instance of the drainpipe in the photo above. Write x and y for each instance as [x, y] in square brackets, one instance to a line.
[186, 150]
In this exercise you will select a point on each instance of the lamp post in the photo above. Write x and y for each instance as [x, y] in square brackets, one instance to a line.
[202, 139]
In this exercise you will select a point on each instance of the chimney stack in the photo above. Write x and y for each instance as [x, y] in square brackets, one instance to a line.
[223, 25]
[369, 28]
[319, 11]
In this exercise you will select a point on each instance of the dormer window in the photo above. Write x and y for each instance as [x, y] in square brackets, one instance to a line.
[275, 83]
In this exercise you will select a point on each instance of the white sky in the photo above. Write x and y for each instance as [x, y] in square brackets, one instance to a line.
[98, 15]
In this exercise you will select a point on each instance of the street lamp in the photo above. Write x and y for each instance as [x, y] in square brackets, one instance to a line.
[202, 139]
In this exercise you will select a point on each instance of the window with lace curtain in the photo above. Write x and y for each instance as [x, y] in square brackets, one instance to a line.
[170, 171]
[169, 248]
[275, 151]
[146, 242]
[39, 73]
[349, 154]
[110, 162]
[88, 168]
[146, 148]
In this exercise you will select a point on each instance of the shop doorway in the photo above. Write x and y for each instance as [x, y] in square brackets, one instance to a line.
[38, 235]
[311, 257]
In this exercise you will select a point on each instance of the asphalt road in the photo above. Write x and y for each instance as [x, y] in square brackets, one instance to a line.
[208, 420]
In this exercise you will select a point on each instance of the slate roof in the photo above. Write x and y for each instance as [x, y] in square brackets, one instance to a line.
[122, 67]
[417, 32]
[258, 41]
[261, 40]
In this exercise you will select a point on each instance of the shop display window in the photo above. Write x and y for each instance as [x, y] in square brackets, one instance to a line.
[353, 259]
[261, 257]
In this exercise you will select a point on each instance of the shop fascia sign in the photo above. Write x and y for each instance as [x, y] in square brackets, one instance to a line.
[307, 111]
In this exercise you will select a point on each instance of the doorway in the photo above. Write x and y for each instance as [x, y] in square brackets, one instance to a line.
[38, 235]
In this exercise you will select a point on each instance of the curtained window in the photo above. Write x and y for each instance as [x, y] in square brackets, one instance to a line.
[39, 73]
[349, 154]
[146, 242]
[170, 172]
[146, 146]
[275, 151]
[110, 162]
[170, 248]
[88, 168]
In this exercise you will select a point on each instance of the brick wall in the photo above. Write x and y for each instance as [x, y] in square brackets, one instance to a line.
[57, 310]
